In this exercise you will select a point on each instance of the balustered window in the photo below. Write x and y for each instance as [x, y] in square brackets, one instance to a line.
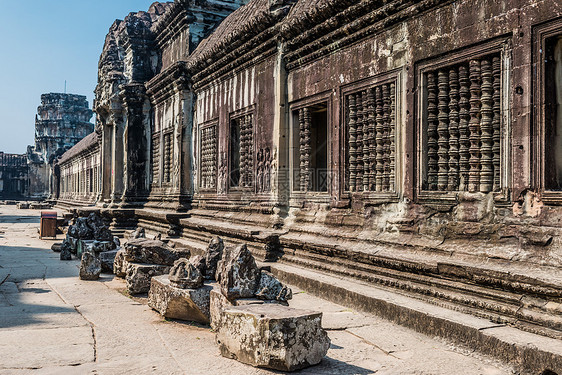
[553, 112]
[461, 114]
[310, 148]
[208, 157]
[370, 119]
[242, 151]
[155, 158]
[167, 162]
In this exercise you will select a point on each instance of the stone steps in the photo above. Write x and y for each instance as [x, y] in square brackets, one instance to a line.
[498, 306]
[530, 352]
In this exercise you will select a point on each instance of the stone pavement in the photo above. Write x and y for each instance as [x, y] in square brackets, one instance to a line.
[53, 323]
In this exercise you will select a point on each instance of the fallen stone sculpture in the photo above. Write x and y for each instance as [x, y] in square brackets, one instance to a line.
[171, 301]
[107, 259]
[238, 273]
[56, 247]
[269, 288]
[139, 275]
[185, 275]
[119, 264]
[65, 253]
[142, 250]
[90, 266]
[272, 336]
[212, 257]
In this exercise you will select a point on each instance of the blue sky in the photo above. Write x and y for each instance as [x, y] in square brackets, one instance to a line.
[44, 43]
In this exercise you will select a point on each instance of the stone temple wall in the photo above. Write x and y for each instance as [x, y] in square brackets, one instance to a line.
[400, 142]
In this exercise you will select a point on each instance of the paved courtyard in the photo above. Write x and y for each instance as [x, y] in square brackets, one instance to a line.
[53, 323]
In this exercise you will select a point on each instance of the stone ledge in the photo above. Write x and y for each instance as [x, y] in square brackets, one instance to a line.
[526, 351]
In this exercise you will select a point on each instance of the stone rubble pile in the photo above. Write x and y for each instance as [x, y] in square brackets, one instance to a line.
[246, 306]
[141, 259]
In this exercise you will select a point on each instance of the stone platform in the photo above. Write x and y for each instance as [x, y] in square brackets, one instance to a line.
[177, 303]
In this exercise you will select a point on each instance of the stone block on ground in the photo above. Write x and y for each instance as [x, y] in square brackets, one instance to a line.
[107, 259]
[139, 275]
[23, 206]
[119, 264]
[84, 246]
[90, 266]
[238, 273]
[272, 336]
[218, 303]
[56, 247]
[179, 303]
[142, 250]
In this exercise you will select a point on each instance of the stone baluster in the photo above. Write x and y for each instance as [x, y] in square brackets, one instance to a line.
[474, 125]
[392, 182]
[307, 146]
[379, 139]
[366, 136]
[352, 142]
[432, 135]
[487, 171]
[443, 130]
[360, 164]
[464, 118]
[303, 186]
[372, 154]
[453, 183]
[496, 122]
[386, 135]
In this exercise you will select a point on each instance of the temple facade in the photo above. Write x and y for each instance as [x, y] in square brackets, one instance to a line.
[411, 144]
[62, 120]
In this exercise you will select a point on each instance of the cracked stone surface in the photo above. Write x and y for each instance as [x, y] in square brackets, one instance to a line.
[273, 336]
[52, 321]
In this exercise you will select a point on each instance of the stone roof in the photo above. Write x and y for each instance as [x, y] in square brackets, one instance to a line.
[236, 29]
[88, 142]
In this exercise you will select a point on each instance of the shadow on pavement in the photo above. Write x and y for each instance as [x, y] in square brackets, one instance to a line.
[10, 219]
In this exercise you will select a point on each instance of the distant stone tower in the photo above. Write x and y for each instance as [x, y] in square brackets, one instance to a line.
[62, 120]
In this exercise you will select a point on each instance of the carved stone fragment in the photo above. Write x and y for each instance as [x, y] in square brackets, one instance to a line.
[185, 275]
[238, 273]
[148, 251]
[119, 264]
[139, 275]
[90, 266]
[269, 288]
[212, 257]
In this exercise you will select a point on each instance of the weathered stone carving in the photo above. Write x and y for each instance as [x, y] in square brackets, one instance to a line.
[107, 259]
[305, 148]
[487, 141]
[213, 256]
[464, 116]
[264, 170]
[454, 154]
[65, 253]
[238, 273]
[138, 276]
[432, 135]
[496, 121]
[269, 288]
[119, 264]
[185, 275]
[443, 130]
[474, 125]
[142, 250]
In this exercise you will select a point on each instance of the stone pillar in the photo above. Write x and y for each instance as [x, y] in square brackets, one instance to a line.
[117, 157]
[136, 147]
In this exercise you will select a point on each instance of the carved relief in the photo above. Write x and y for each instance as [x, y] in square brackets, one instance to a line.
[264, 170]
